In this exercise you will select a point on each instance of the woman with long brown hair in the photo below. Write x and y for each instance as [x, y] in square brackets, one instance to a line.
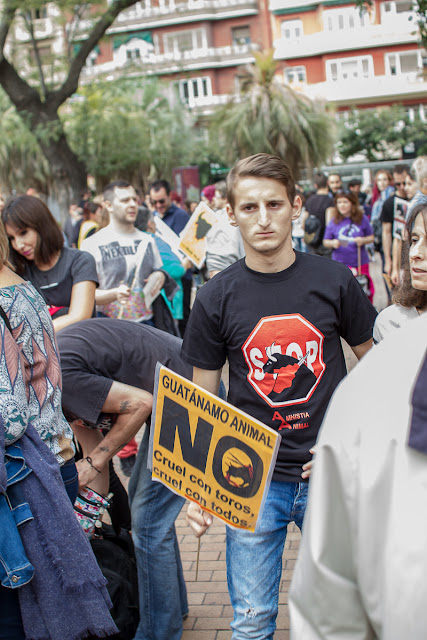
[66, 278]
[410, 299]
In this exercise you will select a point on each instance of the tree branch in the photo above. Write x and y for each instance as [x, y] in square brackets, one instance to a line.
[30, 28]
[71, 83]
[24, 97]
[7, 18]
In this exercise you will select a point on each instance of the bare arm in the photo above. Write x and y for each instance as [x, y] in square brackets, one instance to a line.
[396, 261]
[133, 407]
[81, 305]
[387, 242]
[199, 520]
[360, 349]
[105, 296]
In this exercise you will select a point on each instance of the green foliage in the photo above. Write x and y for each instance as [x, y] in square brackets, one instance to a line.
[22, 163]
[126, 129]
[380, 134]
[268, 116]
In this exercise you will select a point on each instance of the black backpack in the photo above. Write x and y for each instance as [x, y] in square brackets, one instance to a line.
[115, 555]
[313, 231]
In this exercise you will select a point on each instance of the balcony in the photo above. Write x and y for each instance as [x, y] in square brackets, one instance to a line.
[280, 6]
[153, 64]
[367, 90]
[400, 30]
[183, 12]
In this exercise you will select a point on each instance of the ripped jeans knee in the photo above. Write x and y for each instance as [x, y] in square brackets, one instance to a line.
[254, 562]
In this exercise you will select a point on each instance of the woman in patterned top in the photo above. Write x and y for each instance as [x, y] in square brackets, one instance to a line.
[33, 332]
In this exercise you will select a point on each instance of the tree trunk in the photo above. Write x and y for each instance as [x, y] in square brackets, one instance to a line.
[68, 175]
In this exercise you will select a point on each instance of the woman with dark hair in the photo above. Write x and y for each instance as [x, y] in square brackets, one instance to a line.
[348, 233]
[66, 278]
[410, 299]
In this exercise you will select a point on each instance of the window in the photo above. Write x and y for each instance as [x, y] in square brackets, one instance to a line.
[295, 75]
[240, 35]
[390, 9]
[292, 29]
[181, 41]
[345, 18]
[403, 62]
[349, 68]
[133, 54]
[45, 53]
[40, 13]
[191, 90]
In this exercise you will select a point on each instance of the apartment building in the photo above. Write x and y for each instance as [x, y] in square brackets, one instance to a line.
[329, 49]
[197, 44]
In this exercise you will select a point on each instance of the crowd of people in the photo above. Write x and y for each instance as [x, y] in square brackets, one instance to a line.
[87, 310]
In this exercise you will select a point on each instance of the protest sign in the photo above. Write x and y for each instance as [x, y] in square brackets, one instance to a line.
[208, 451]
[193, 236]
[399, 217]
[168, 235]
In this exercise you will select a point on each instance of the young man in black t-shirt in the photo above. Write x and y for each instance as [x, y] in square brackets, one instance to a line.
[278, 316]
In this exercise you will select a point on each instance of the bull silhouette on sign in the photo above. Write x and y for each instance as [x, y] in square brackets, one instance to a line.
[292, 383]
[239, 470]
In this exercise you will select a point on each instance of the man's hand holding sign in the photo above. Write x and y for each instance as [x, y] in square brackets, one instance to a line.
[208, 451]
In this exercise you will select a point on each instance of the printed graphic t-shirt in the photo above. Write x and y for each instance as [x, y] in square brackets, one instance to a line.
[123, 258]
[281, 334]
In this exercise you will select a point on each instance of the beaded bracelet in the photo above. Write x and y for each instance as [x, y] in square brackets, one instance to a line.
[89, 459]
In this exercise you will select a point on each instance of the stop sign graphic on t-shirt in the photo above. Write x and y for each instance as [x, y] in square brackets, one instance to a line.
[284, 355]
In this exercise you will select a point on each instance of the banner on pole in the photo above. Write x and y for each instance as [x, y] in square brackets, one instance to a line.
[208, 451]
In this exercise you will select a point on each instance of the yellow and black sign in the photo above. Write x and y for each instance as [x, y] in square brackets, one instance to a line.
[208, 451]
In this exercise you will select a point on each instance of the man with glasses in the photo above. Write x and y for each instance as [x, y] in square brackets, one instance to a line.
[176, 219]
[400, 172]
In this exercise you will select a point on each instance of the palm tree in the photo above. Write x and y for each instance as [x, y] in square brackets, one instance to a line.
[268, 116]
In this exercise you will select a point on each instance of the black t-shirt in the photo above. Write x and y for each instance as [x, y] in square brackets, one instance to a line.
[387, 212]
[55, 285]
[317, 204]
[97, 352]
[281, 334]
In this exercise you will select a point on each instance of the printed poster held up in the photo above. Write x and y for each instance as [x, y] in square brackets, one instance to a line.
[206, 450]
[193, 236]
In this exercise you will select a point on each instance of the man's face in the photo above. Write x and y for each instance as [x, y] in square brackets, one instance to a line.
[411, 187]
[355, 189]
[219, 201]
[124, 207]
[334, 182]
[160, 201]
[399, 184]
[263, 213]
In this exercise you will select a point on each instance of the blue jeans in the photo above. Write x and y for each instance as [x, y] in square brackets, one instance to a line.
[70, 478]
[254, 562]
[162, 591]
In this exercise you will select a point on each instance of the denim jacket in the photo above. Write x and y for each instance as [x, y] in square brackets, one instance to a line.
[15, 568]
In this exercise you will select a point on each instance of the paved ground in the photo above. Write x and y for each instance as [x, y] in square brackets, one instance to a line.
[210, 609]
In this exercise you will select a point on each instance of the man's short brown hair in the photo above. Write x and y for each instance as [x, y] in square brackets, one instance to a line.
[261, 165]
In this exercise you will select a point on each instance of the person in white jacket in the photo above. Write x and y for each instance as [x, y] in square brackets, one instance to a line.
[361, 569]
